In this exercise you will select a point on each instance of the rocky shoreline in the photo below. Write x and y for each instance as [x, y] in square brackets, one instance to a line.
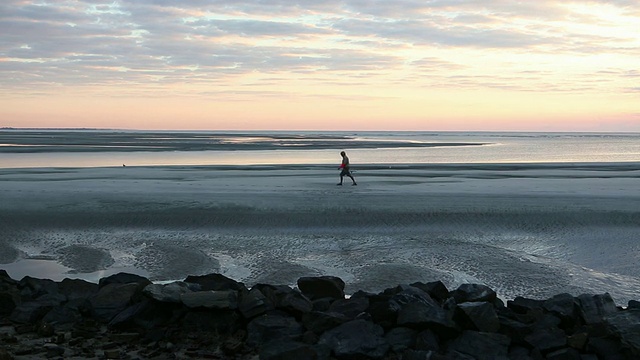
[126, 316]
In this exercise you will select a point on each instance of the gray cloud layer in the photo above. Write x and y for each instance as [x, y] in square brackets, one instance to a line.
[74, 43]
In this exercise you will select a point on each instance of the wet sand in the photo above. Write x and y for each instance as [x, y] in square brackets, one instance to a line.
[523, 229]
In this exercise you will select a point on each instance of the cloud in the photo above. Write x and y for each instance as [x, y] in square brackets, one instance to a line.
[87, 43]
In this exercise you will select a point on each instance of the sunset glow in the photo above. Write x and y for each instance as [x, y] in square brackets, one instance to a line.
[330, 65]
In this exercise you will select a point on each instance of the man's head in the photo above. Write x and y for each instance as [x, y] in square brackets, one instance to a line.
[343, 153]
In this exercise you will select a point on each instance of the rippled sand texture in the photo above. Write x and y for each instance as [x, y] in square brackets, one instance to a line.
[532, 230]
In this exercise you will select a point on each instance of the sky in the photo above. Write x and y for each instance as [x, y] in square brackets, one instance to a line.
[439, 65]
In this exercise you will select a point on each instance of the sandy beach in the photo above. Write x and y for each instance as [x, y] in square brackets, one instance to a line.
[530, 230]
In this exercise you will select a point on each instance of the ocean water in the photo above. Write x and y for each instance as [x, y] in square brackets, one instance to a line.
[63, 148]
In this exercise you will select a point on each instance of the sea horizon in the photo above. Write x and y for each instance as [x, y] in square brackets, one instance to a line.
[103, 148]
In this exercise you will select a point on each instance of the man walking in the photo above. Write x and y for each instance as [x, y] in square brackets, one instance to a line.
[345, 168]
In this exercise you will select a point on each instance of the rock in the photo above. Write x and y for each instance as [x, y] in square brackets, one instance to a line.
[171, 292]
[223, 322]
[124, 278]
[516, 330]
[112, 298]
[351, 307]
[319, 321]
[564, 354]
[215, 282]
[253, 303]
[401, 339]
[418, 355]
[405, 322]
[6, 279]
[578, 341]
[522, 305]
[112, 354]
[427, 340]
[126, 317]
[32, 288]
[273, 326]
[210, 299]
[53, 350]
[357, 338]
[5, 355]
[9, 298]
[420, 315]
[273, 293]
[295, 303]
[383, 312]
[565, 307]
[284, 350]
[547, 339]
[322, 287]
[626, 326]
[481, 345]
[404, 294]
[519, 353]
[593, 308]
[479, 316]
[473, 292]
[77, 289]
[605, 348]
[436, 289]
[32, 311]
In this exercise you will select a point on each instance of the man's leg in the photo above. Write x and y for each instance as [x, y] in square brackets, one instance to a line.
[352, 179]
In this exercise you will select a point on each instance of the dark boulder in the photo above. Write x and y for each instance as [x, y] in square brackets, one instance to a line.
[351, 307]
[481, 345]
[427, 340]
[479, 316]
[625, 325]
[170, 293]
[223, 300]
[215, 282]
[565, 307]
[32, 288]
[418, 355]
[354, 339]
[521, 305]
[383, 312]
[405, 294]
[319, 322]
[285, 298]
[77, 288]
[322, 287]
[31, 311]
[295, 303]
[222, 322]
[421, 315]
[9, 294]
[401, 339]
[436, 289]
[253, 303]
[124, 278]
[547, 339]
[606, 348]
[593, 308]
[564, 354]
[286, 350]
[113, 298]
[473, 292]
[273, 326]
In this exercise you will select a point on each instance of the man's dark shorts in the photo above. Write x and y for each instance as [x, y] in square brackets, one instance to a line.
[345, 172]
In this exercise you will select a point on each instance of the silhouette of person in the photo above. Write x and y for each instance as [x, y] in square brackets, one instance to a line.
[345, 167]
